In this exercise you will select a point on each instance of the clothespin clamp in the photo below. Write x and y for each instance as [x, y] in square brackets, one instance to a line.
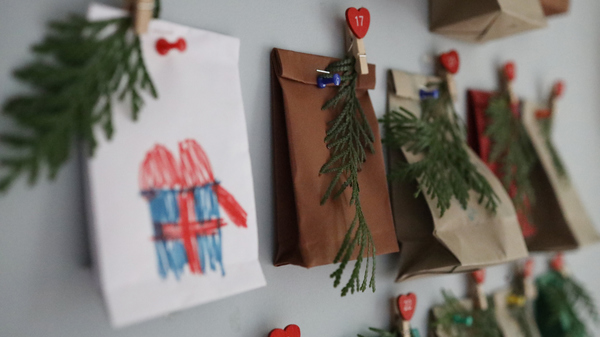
[448, 66]
[509, 74]
[358, 21]
[481, 299]
[529, 289]
[291, 330]
[142, 11]
[406, 306]
[557, 91]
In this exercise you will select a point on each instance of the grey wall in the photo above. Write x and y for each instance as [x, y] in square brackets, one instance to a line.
[46, 288]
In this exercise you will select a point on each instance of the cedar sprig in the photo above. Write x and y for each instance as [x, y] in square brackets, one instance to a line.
[484, 321]
[79, 66]
[348, 138]
[560, 304]
[384, 333]
[511, 148]
[546, 130]
[445, 170]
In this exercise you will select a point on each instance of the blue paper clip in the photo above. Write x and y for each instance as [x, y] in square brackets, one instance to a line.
[322, 81]
[429, 94]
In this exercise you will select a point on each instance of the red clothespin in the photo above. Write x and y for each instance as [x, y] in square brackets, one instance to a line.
[406, 306]
[509, 73]
[479, 278]
[449, 64]
[142, 14]
[291, 330]
[529, 289]
[163, 46]
[358, 21]
[558, 263]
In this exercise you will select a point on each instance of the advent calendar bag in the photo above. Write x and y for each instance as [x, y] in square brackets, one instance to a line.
[171, 196]
[462, 239]
[310, 234]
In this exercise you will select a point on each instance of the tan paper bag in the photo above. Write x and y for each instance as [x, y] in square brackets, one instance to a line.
[558, 213]
[507, 322]
[484, 20]
[309, 234]
[462, 240]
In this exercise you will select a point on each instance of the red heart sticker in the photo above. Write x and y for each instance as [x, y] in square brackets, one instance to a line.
[559, 88]
[291, 330]
[407, 305]
[358, 20]
[528, 268]
[479, 276]
[558, 262]
[450, 61]
[510, 71]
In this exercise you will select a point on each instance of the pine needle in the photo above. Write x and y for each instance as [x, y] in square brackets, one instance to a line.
[80, 65]
[446, 170]
[512, 149]
[348, 138]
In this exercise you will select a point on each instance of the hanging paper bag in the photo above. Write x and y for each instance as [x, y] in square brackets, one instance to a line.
[171, 197]
[513, 322]
[310, 234]
[462, 239]
[563, 221]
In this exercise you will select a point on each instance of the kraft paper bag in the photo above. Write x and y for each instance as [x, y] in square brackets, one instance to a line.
[484, 20]
[463, 239]
[172, 210]
[562, 219]
[554, 230]
[507, 322]
[310, 234]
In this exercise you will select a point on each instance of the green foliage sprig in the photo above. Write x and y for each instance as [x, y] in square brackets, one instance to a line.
[511, 148]
[484, 322]
[384, 333]
[348, 138]
[546, 130]
[446, 171]
[559, 306]
[80, 65]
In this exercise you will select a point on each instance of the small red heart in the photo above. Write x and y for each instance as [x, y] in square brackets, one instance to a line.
[450, 61]
[543, 113]
[528, 268]
[479, 276]
[510, 71]
[558, 262]
[559, 88]
[359, 21]
[291, 330]
[407, 305]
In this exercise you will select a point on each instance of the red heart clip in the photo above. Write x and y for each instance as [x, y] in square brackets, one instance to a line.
[291, 330]
[163, 46]
[558, 89]
[558, 262]
[479, 276]
[450, 61]
[358, 20]
[407, 305]
[528, 268]
[510, 71]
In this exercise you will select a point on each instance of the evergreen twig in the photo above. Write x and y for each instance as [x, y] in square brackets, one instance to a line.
[484, 321]
[445, 170]
[80, 66]
[512, 149]
[348, 138]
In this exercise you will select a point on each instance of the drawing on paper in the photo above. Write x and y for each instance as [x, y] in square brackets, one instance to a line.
[185, 203]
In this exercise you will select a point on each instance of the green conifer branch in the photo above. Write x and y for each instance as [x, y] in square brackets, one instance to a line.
[446, 170]
[80, 65]
[512, 149]
[348, 138]
[546, 130]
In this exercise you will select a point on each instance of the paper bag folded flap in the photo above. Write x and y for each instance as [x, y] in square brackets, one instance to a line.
[293, 66]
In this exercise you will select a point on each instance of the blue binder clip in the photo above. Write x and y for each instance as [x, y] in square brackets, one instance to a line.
[429, 94]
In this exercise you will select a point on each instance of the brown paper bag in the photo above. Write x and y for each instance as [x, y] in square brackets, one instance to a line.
[309, 234]
[484, 20]
[507, 322]
[553, 7]
[461, 240]
[558, 212]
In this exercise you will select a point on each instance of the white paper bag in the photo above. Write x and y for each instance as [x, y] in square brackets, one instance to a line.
[171, 195]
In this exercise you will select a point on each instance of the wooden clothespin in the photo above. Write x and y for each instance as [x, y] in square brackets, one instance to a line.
[509, 74]
[557, 92]
[529, 288]
[358, 21]
[481, 299]
[291, 330]
[558, 263]
[406, 306]
[142, 11]
[448, 66]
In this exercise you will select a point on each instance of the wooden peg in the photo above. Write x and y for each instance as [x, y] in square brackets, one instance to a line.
[509, 74]
[557, 92]
[357, 26]
[558, 264]
[481, 299]
[291, 330]
[142, 13]
[448, 66]
[406, 306]
[529, 289]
